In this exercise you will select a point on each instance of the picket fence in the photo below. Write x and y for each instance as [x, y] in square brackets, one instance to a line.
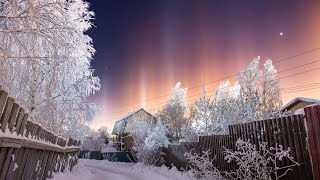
[290, 131]
[27, 150]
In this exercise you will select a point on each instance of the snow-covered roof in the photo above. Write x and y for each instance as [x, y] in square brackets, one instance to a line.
[120, 125]
[299, 99]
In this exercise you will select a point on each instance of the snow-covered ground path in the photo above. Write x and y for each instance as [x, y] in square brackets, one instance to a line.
[104, 170]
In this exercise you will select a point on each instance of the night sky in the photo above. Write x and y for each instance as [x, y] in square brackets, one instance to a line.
[144, 47]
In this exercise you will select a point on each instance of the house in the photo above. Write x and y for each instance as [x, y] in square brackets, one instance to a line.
[298, 103]
[123, 140]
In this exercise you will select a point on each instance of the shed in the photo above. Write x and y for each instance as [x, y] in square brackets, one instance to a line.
[123, 140]
[298, 103]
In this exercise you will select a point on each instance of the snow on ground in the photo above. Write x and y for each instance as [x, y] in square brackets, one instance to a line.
[88, 169]
[105, 148]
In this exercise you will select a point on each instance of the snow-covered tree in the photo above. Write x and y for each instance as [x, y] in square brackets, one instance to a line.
[173, 113]
[157, 137]
[259, 96]
[103, 134]
[139, 129]
[45, 60]
[225, 107]
[147, 148]
[204, 113]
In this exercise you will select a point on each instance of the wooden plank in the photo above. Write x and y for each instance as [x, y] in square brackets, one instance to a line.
[48, 166]
[268, 132]
[12, 164]
[3, 152]
[259, 134]
[23, 124]
[285, 138]
[19, 120]
[31, 161]
[298, 150]
[255, 135]
[306, 167]
[22, 165]
[19, 157]
[306, 157]
[13, 116]
[291, 141]
[38, 164]
[6, 114]
[6, 164]
[3, 100]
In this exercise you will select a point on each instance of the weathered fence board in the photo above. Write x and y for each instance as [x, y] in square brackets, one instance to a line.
[313, 124]
[290, 132]
[27, 150]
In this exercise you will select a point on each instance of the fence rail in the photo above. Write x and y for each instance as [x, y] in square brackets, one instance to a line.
[27, 150]
[287, 131]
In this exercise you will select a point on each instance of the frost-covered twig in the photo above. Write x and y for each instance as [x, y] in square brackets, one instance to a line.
[259, 163]
[202, 167]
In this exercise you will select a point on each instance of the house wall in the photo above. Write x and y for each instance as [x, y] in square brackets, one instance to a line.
[141, 114]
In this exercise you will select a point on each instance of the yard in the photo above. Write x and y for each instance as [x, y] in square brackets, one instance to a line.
[99, 170]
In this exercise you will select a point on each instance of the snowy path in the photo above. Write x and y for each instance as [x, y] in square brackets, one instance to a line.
[104, 170]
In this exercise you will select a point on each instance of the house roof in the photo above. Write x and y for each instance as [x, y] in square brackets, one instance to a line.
[120, 124]
[298, 99]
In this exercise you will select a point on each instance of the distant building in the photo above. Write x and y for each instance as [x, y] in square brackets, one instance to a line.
[123, 140]
[298, 103]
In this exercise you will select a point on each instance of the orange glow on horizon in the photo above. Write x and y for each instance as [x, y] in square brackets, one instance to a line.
[149, 79]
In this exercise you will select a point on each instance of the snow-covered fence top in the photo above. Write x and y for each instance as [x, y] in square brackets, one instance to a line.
[27, 150]
[290, 132]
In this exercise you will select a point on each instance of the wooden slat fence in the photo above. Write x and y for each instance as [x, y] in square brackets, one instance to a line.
[287, 131]
[27, 150]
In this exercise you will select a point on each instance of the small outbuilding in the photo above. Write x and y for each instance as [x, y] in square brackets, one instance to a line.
[298, 103]
[123, 140]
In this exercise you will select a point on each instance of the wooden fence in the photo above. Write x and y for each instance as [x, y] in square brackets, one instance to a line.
[287, 131]
[27, 150]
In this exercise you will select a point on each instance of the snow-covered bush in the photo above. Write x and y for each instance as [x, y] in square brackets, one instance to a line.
[157, 138]
[258, 163]
[190, 134]
[252, 163]
[155, 141]
[202, 167]
[140, 129]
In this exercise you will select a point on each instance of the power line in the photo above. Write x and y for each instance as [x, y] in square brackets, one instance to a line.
[289, 69]
[227, 77]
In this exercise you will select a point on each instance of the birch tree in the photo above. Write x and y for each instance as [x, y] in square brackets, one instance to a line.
[173, 113]
[260, 96]
[45, 60]
[204, 113]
